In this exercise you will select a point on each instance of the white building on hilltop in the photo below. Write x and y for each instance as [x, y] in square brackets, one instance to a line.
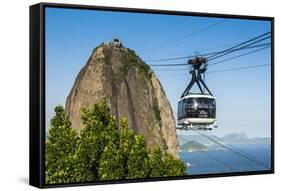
[116, 42]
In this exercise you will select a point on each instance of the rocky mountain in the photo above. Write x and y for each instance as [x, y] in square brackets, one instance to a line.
[132, 91]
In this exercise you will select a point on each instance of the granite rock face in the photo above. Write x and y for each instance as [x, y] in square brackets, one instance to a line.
[132, 91]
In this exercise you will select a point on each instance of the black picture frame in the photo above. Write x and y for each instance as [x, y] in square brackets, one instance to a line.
[37, 92]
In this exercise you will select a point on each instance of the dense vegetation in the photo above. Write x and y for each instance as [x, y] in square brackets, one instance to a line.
[131, 58]
[102, 151]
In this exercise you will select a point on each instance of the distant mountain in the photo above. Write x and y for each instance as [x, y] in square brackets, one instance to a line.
[233, 138]
[242, 138]
[261, 140]
[193, 146]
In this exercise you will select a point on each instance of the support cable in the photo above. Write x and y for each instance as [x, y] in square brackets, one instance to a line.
[230, 149]
[224, 165]
[231, 58]
[226, 53]
[235, 148]
[218, 71]
[187, 36]
[238, 56]
[240, 44]
[205, 54]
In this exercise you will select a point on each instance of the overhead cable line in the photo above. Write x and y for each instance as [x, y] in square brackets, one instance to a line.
[206, 54]
[238, 56]
[239, 150]
[243, 43]
[184, 64]
[230, 149]
[186, 36]
[224, 165]
[240, 68]
[178, 58]
[201, 50]
[171, 69]
[214, 71]
[234, 57]
[224, 70]
[226, 53]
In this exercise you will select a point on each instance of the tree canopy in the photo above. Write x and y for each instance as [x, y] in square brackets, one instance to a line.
[102, 150]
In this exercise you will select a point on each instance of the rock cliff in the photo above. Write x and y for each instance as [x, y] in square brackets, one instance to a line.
[132, 90]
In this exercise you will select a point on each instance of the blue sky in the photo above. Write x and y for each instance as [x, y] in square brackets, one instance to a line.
[243, 97]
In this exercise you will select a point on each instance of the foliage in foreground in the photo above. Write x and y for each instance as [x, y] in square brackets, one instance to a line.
[102, 151]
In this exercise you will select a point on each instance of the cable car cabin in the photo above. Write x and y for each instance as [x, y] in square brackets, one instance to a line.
[197, 111]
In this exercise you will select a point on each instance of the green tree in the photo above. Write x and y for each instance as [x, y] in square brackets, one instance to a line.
[163, 165]
[60, 149]
[101, 151]
[156, 163]
[134, 153]
[174, 167]
[137, 163]
[111, 166]
[99, 130]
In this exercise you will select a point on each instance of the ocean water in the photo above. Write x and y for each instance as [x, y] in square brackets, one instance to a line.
[224, 161]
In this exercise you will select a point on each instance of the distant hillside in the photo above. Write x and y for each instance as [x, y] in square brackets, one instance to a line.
[193, 146]
[242, 138]
[233, 138]
[184, 138]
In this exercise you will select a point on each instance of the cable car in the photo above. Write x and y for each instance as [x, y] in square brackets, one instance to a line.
[197, 110]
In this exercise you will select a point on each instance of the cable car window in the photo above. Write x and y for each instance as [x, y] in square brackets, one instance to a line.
[203, 103]
[212, 104]
[185, 107]
[190, 102]
[180, 108]
[197, 108]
